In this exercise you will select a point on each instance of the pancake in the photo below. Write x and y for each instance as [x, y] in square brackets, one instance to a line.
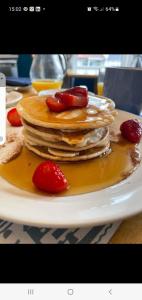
[73, 139]
[85, 155]
[38, 141]
[100, 112]
[79, 138]
[72, 135]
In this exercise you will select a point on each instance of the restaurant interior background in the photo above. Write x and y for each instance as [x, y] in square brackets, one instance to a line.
[19, 65]
[99, 72]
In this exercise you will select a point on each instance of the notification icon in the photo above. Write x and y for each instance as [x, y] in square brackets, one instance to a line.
[31, 8]
[38, 8]
[25, 8]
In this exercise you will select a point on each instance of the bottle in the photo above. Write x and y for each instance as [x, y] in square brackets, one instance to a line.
[48, 71]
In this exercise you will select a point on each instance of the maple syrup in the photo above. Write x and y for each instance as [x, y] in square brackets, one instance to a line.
[83, 177]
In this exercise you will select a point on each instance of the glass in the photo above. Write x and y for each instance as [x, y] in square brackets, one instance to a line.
[48, 71]
[100, 82]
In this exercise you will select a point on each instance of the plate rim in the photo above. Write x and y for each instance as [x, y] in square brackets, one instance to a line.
[81, 223]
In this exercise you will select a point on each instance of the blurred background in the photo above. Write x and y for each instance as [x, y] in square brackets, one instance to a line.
[84, 69]
[117, 76]
[19, 65]
[11, 64]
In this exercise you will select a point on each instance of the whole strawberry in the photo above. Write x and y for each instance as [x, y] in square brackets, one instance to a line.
[48, 177]
[131, 130]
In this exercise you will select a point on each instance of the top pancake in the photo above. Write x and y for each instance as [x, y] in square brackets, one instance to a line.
[100, 112]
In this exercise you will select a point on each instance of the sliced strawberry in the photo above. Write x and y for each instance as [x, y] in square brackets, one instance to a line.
[55, 104]
[48, 177]
[72, 101]
[14, 118]
[77, 91]
[69, 99]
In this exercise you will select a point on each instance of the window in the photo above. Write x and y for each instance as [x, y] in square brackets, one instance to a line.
[95, 61]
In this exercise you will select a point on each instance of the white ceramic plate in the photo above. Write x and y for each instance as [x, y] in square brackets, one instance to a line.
[12, 98]
[52, 92]
[108, 205]
[49, 92]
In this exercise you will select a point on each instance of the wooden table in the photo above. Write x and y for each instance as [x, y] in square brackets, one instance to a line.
[130, 230]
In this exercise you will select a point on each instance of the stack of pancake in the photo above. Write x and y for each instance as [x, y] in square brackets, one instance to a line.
[72, 135]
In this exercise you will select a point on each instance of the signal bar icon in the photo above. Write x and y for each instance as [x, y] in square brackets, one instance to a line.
[30, 292]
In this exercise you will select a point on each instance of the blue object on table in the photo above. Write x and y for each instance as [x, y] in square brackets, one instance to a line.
[124, 86]
[24, 62]
[13, 81]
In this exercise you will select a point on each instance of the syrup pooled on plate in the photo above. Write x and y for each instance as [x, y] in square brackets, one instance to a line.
[83, 177]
